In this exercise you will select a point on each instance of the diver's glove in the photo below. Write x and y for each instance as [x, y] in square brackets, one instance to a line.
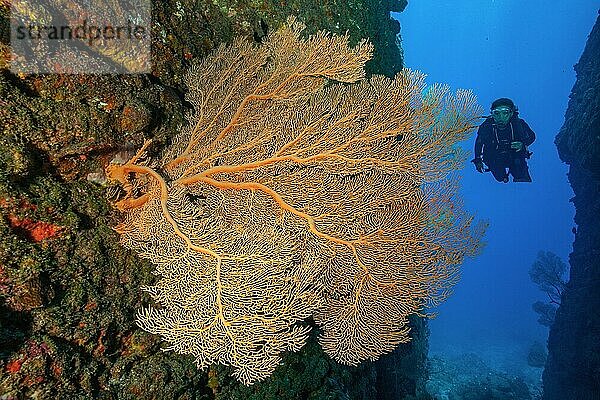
[517, 146]
[478, 164]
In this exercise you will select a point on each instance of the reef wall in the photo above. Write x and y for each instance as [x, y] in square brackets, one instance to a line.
[68, 289]
[573, 368]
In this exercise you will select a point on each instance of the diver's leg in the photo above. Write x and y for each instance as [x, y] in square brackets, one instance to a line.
[519, 170]
[499, 172]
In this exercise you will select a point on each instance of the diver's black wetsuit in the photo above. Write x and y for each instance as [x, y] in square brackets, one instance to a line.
[494, 143]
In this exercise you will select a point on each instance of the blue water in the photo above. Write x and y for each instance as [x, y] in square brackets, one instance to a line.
[524, 50]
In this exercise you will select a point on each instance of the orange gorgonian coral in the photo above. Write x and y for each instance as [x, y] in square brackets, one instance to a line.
[299, 189]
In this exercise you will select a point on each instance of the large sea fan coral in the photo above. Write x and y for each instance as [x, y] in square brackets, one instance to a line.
[299, 189]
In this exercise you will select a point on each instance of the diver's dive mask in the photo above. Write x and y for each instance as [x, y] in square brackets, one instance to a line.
[502, 115]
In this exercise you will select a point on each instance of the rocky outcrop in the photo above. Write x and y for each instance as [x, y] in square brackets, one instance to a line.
[573, 366]
[68, 300]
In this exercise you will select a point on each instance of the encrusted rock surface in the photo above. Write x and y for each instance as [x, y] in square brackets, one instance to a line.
[68, 299]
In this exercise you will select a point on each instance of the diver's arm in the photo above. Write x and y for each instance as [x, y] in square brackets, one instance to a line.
[478, 145]
[478, 149]
[528, 134]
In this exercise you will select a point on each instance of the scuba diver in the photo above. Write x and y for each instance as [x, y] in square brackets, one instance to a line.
[501, 143]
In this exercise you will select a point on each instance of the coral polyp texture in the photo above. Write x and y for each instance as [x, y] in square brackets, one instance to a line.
[299, 190]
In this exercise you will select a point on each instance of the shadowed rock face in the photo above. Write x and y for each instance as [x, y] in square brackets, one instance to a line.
[573, 366]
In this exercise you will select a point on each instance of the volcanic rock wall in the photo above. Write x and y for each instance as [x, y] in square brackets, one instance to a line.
[573, 367]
